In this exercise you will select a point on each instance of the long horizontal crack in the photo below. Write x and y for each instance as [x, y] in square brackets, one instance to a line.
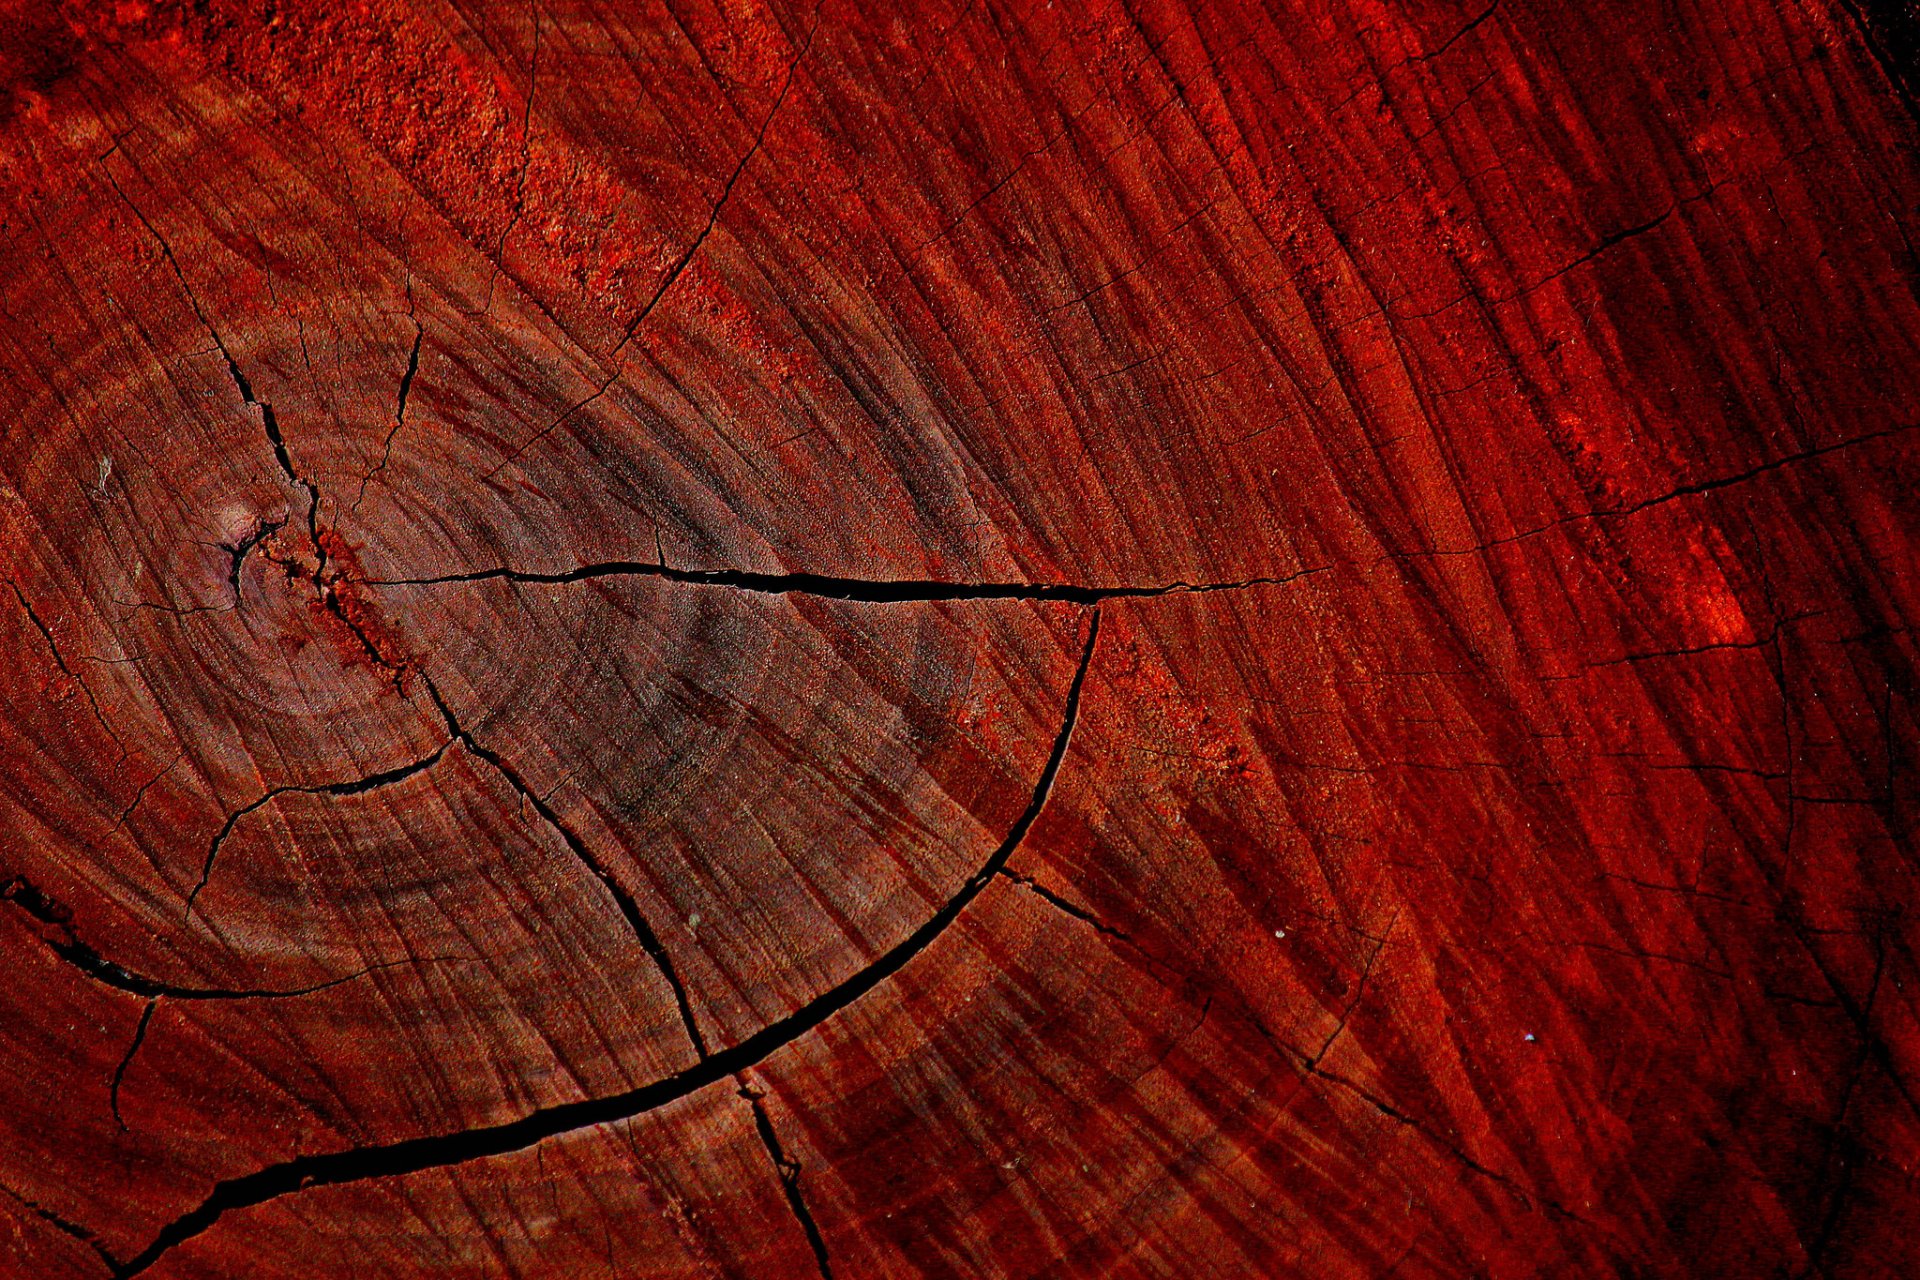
[865, 590]
[411, 1155]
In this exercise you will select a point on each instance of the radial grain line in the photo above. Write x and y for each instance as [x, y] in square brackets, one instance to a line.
[412, 1155]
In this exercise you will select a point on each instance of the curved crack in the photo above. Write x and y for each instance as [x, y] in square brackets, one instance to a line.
[411, 1155]
[214, 993]
[237, 552]
[399, 416]
[351, 787]
[71, 948]
[126, 1060]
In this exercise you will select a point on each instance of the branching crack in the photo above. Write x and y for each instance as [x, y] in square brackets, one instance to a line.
[324, 578]
[350, 787]
[399, 417]
[193, 299]
[140, 792]
[237, 552]
[412, 1155]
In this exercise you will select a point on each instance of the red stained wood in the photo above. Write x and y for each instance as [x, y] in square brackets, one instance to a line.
[965, 640]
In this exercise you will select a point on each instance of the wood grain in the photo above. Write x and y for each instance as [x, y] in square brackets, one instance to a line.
[962, 639]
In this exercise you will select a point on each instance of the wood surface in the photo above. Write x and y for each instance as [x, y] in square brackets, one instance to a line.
[959, 639]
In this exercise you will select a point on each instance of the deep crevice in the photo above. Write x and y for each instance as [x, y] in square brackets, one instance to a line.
[862, 590]
[399, 416]
[69, 947]
[411, 1155]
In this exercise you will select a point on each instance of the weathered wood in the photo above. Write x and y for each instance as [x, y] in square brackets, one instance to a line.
[967, 640]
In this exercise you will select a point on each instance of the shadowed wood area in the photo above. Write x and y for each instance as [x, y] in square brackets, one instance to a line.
[977, 639]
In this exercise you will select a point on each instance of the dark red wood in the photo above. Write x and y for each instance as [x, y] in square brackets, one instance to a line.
[971, 639]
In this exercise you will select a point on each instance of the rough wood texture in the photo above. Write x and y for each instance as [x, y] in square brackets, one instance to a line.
[982, 640]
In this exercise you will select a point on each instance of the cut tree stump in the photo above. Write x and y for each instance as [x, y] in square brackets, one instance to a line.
[976, 639]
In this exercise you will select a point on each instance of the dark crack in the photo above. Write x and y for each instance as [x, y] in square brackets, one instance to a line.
[864, 590]
[60, 661]
[677, 268]
[1472, 25]
[788, 1170]
[63, 1225]
[70, 947]
[325, 578]
[126, 1060]
[237, 552]
[399, 417]
[629, 908]
[350, 787]
[1692, 489]
[193, 299]
[1359, 993]
[1067, 906]
[140, 792]
[258, 993]
[411, 1155]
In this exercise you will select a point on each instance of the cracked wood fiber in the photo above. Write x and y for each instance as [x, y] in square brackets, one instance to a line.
[959, 640]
